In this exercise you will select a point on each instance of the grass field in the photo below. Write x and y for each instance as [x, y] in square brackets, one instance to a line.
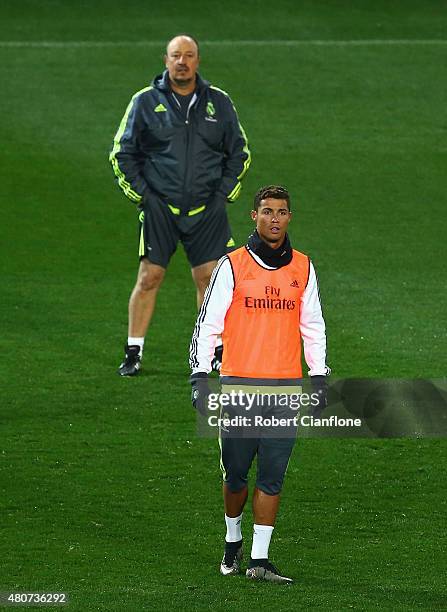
[107, 492]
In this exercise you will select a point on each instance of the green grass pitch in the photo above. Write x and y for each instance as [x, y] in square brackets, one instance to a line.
[107, 493]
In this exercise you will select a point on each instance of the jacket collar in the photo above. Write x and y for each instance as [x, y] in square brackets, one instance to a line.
[162, 83]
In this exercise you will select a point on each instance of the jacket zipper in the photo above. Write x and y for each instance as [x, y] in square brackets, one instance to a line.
[189, 138]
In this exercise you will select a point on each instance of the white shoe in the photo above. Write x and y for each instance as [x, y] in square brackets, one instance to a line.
[266, 571]
[231, 562]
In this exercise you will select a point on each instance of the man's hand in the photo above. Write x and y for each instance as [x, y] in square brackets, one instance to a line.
[200, 392]
[320, 388]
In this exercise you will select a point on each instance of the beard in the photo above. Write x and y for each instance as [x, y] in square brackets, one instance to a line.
[183, 81]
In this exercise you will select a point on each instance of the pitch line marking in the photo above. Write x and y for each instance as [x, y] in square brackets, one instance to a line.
[42, 44]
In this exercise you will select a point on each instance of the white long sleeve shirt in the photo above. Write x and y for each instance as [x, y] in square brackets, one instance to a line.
[218, 298]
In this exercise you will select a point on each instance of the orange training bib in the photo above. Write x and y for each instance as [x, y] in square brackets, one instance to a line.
[261, 332]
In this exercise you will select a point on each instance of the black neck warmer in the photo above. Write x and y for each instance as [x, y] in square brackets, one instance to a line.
[276, 258]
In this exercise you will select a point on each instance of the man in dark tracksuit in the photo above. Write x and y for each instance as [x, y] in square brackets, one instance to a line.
[179, 154]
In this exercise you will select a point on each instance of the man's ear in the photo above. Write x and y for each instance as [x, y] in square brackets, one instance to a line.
[254, 214]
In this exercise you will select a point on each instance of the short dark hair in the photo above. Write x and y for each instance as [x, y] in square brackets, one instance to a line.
[271, 191]
[187, 36]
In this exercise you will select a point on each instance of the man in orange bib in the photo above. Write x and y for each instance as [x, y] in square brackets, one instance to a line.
[263, 299]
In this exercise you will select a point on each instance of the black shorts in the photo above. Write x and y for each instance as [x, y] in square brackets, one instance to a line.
[205, 232]
[273, 454]
[272, 442]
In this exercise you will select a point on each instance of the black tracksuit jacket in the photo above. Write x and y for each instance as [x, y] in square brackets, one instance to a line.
[187, 163]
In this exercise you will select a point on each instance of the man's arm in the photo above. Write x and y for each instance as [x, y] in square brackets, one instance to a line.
[313, 328]
[210, 320]
[126, 157]
[237, 154]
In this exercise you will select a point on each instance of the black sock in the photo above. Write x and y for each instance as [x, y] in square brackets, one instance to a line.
[232, 546]
[258, 563]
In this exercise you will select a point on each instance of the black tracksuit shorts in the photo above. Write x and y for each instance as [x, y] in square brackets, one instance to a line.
[204, 232]
[265, 431]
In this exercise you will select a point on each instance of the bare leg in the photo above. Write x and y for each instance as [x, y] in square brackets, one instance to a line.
[201, 276]
[143, 297]
[265, 507]
[234, 502]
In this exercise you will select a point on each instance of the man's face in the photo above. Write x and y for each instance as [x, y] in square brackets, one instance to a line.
[272, 219]
[182, 61]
